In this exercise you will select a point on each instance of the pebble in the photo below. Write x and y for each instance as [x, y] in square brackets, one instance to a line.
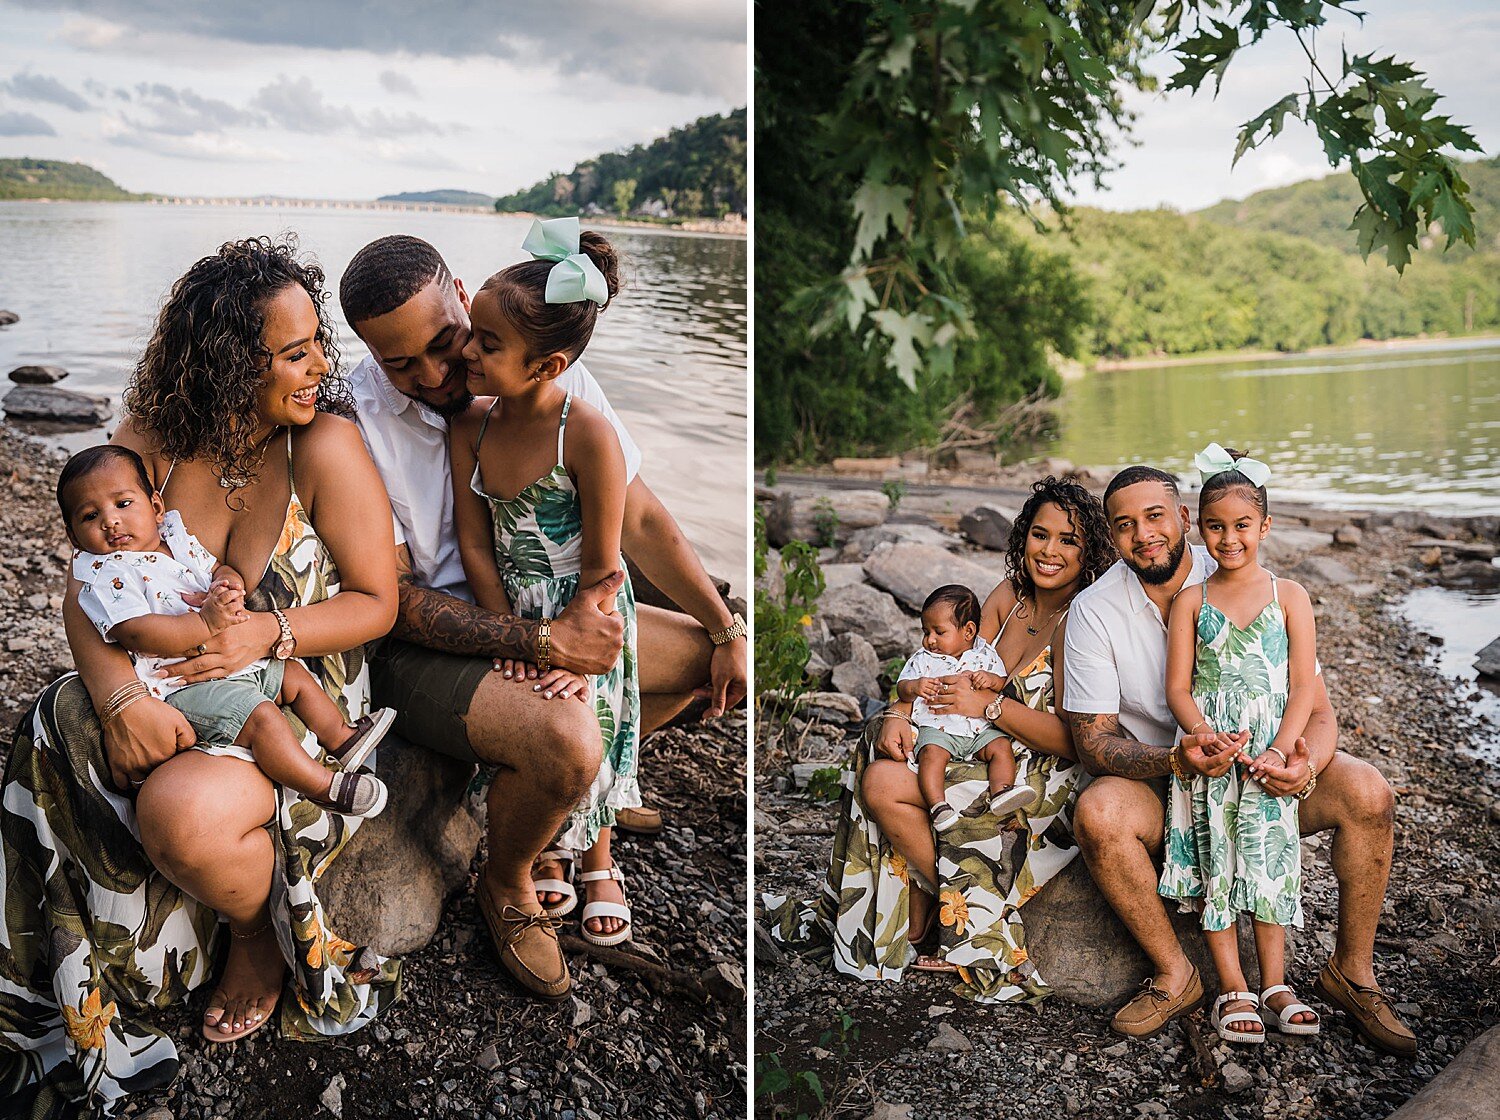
[949, 1038]
[332, 1097]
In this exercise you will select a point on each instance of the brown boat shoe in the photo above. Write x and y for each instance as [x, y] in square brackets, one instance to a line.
[1150, 1011]
[1369, 1011]
[527, 947]
[643, 820]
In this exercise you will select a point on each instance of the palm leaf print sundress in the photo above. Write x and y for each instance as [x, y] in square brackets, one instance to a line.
[1230, 843]
[539, 550]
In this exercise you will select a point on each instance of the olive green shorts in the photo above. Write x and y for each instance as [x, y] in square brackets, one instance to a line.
[218, 709]
[431, 692]
[961, 747]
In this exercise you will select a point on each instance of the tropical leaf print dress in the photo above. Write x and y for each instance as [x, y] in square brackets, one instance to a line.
[539, 553]
[94, 938]
[985, 874]
[1231, 847]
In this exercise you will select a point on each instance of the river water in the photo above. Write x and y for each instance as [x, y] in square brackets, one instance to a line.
[1415, 426]
[87, 279]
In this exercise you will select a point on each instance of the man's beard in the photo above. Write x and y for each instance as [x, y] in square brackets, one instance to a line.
[1158, 574]
[449, 410]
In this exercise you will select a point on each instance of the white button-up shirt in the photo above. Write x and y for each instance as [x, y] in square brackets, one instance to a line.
[925, 663]
[1115, 656]
[409, 443]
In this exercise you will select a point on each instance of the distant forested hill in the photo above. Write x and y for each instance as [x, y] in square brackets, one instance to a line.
[694, 171]
[51, 178]
[1320, 209]
[442, 197]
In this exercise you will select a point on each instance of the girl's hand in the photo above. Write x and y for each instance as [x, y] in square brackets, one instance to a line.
[1278, 778]
[1229, 742]
[897, 738]
[511, 669]
[562, 683]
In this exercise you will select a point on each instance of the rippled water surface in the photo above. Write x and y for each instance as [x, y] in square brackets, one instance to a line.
[87, 279]
[1414, 426]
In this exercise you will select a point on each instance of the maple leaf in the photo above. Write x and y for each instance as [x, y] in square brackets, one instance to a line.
[878, 205]
[905, 332]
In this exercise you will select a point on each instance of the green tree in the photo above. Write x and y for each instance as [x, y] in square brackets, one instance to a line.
[624, 192]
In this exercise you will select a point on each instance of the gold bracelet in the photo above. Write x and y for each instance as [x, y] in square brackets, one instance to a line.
[1177, 771]
[736, 629]
[1312, 782]
[1200, 723]
[121, 699]
[114, 715]
[544, 645]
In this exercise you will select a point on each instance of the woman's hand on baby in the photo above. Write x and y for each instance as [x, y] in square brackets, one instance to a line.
[562, 683]
[228, 651]
[928, 688]
[958, 696]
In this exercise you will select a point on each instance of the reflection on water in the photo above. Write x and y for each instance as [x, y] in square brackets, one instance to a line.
[88, 278]
[1467, 621]
[1407, 427]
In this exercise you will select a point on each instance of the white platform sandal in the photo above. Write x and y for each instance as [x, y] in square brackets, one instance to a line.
[605, 909]
[563, 887]
[1224, 1026]
[1282, 1020]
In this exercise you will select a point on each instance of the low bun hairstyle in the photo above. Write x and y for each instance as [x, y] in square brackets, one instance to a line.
[1218, 484]
[554, 328]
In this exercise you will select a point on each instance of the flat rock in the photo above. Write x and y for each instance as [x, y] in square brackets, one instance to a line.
[873, 614]
[387, 887]
[949, 1038]
[37, 375]
[1466, 1088]
[911, 572]
[861, 544]
[1286, 547]
[1324, 570]
[832, 707]
[841, 575]
[825, 518]
[1088, 956]
[987, 526]
[46, 402]
[857, 681]
[1488, 660]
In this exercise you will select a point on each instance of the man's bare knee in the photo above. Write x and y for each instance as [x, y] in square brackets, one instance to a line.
[1359, 796]
[564, 771]
[1110, 813]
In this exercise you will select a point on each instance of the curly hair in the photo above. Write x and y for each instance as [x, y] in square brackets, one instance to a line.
[1089, 522]
[194, 388]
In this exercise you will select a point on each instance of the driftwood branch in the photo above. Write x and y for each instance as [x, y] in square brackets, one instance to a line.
[1203, 1058]
[658, 976]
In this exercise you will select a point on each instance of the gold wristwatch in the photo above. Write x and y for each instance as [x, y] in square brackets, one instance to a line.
[735, 629]
[285, 643]
[995, 708]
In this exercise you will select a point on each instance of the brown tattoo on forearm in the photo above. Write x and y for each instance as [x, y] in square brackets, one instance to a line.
[1107, 748]
[438, 621]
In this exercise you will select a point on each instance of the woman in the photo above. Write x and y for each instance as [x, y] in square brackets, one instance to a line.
[233, 407]
[890, 884]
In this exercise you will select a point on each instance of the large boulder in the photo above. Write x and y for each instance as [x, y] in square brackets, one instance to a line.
[866, 541]
[911, 572]
[1088, 956]
[37, 375]
[1285, 546]
[1325, 571]
[825, 518]
[46, 402]
[1466, 1089]
[1488, 661]
[841, 575]
[987, 526]
[387, 887]
[873, 615]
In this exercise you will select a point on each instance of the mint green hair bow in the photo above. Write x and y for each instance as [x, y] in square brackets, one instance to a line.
[574, 277]
[1213, 460]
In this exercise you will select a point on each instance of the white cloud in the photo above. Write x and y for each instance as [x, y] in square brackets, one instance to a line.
[393, 81]
[40, 87]
[24, 124]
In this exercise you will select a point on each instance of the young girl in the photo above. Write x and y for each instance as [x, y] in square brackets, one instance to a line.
[539, 501]
[1241, 666]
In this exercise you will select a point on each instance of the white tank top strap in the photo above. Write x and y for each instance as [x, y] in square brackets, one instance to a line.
[485, 423]
[1006, 623]
[162, 489]
[1275, 594]
[562, 425]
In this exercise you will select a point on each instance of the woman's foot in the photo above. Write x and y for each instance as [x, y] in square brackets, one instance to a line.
[247, 993]
[922, 913]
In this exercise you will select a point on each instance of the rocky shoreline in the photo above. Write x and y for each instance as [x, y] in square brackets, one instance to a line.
[915, 1049]
[664, 1040]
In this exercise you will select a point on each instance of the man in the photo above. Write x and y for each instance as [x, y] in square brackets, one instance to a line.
[439, 668]
[1112, 680]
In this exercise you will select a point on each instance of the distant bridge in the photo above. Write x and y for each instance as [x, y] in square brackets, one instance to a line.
[314, 204]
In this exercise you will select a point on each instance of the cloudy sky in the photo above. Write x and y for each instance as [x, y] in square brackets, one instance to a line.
[1186, 141]
[356, 98]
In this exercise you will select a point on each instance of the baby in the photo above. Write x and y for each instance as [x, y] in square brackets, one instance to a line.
[150, 586]
[950, 645]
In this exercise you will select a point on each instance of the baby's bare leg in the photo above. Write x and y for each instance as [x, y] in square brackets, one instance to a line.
[1001, 760]
[932, 774]
[300, 692]
[279, 754]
